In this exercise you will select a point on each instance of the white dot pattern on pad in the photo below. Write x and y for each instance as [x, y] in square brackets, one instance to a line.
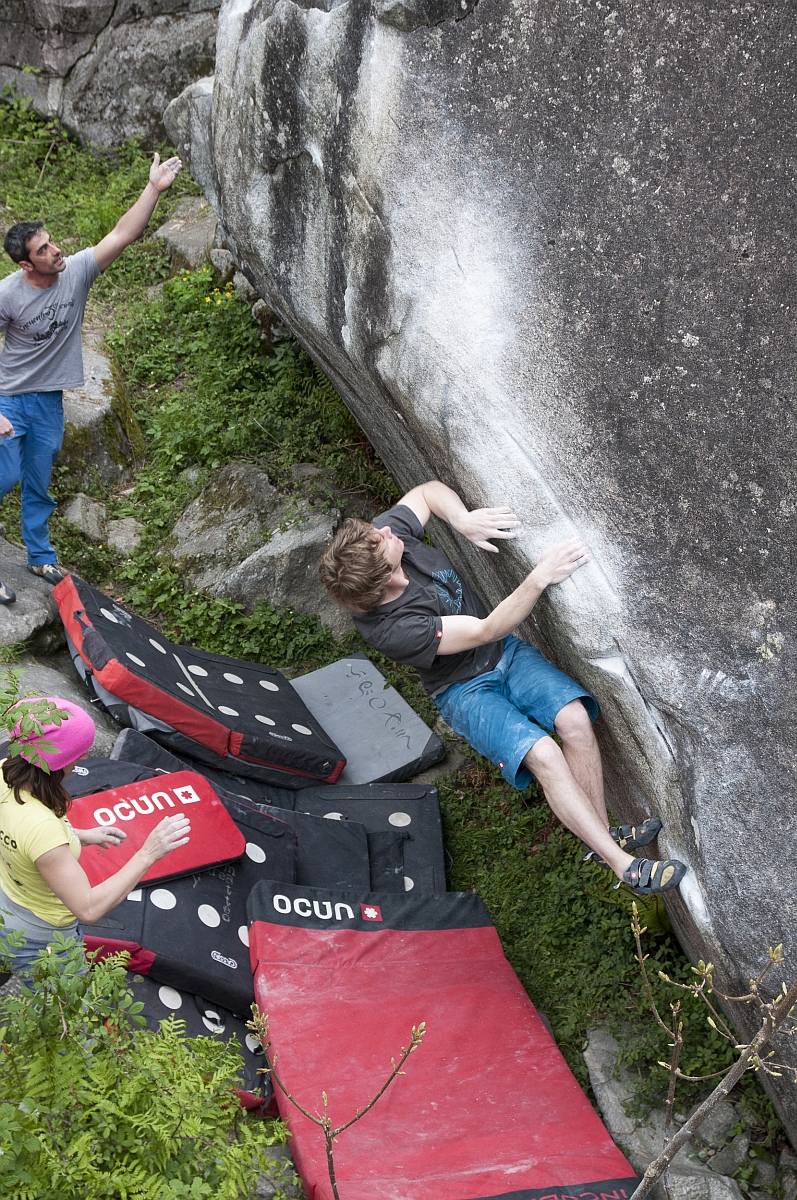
[333, 816]
[409, 884]
[213, 1022]
[228, 712]
[208, 916]
[157, 646]
[135, 660]
[400, 819]
[163, 898]
[264, 720]
[109, 616]
[243, 934]
[268, 685]
[136, 894]
[197, 670]
[170, 998]
[232, 678]
[255, 853]
[253, 1044]
[302, 729]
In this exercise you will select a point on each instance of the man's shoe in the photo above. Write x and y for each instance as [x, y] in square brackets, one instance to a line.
[628, 838]
[7, 594]
[49, 572]
[646, 875]
[631, 837]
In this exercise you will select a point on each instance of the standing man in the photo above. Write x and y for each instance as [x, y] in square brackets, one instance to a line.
[494, 690]
[41, 314]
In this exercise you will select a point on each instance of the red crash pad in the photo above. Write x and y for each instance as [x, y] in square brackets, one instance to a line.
[487, 1110]
[138, 807]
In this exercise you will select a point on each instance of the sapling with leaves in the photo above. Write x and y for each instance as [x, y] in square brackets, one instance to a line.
[259, 1024]
[777, 1017]
[27, 719]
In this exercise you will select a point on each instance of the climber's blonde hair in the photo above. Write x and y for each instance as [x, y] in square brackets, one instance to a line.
[354, 569]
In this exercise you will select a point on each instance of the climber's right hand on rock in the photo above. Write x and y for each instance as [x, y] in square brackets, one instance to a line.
[169, 834]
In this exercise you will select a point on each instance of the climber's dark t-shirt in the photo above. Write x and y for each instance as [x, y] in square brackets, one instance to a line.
[408, 630]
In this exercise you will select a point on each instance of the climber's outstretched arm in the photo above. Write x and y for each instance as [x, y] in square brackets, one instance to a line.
[435, 499]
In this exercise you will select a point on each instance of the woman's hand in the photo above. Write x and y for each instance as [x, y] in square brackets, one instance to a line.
[483, 523]
[103, 835]
[169, 834]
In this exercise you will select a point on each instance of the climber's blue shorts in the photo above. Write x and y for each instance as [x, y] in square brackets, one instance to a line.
[503, 712]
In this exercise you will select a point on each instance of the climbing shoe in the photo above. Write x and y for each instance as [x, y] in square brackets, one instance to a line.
[49, 572]
[631, 837]
[628, 838]
[7, 594]
[647, 875]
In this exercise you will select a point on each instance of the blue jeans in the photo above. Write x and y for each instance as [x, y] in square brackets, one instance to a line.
[27, 458]
[503, 712]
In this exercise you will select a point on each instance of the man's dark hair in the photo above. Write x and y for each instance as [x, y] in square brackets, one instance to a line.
[17, 238]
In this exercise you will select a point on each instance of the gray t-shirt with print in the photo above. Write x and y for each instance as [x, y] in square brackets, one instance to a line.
[42, 351]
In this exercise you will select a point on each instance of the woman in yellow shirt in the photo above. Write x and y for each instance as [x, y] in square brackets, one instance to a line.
[42, 885]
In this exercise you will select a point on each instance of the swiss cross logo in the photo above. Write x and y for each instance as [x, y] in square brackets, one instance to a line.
[371, 912]
[439, 633]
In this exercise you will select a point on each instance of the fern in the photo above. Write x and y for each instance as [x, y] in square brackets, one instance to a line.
[95, 1107]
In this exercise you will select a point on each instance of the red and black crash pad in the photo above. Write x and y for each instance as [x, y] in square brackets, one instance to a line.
[487, 1109]
[384, 809]
[234, 714]
[203, 1018]
[133, 746]
[138, 808]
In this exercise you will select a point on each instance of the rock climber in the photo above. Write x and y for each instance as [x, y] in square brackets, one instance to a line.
[41, 313]
[493, 689]
[43, 887]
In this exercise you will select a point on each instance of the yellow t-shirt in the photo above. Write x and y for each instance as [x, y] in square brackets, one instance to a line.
[26, 832]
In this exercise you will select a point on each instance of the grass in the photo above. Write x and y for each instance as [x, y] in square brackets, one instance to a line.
[192, 367]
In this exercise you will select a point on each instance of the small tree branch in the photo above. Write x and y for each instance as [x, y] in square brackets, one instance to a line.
[773, 1019]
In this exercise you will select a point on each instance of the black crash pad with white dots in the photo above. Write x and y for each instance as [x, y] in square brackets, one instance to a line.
[134, 747]
[244, 715]
[380, 736]
[191, 933]
[203, 1018]
[385, 809]
[99, 774]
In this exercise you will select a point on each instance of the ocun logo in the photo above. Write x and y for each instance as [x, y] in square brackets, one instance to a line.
[126, 810]
[304, 908]
[225, 962]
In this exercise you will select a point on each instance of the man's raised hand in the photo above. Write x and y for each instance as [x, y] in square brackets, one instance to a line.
[163, 175]
[483, 523]
[558, 562]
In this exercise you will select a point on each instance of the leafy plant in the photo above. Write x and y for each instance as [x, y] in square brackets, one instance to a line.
[93, 1105]
[25, 720]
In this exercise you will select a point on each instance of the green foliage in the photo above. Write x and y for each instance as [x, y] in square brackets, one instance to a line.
[24, 721]
[93, 1105]
[205, 393]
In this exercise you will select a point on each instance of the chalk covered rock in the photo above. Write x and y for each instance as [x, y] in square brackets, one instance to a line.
[87, 516]
[539, 265]
[241, 539]
[189, 233]
[33, 617]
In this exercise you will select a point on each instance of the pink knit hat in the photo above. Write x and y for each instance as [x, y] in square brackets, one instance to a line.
[71, 739]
